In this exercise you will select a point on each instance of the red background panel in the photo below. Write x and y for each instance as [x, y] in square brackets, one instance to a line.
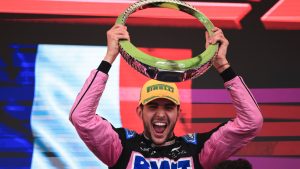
[284, 15]
[226, 15]
[271, 148]
[269, 128]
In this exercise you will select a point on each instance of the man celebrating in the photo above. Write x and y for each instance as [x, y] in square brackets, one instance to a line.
[159, 107]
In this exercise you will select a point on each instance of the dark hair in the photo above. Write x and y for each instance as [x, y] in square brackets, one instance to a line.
[234, 164]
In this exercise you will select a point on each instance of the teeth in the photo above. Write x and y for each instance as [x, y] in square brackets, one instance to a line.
[160, 124]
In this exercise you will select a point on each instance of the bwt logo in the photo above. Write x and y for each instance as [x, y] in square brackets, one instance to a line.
[140, 162]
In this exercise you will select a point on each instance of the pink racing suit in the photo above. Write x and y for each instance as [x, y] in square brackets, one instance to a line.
[122, 148]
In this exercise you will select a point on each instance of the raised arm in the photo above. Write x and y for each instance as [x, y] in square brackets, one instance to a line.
[97, 133]
[235, 134]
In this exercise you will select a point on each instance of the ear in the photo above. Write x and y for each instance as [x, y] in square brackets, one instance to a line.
[179, 112]
[139, 111]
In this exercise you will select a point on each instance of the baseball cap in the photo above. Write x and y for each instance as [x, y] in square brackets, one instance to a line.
[154, 89]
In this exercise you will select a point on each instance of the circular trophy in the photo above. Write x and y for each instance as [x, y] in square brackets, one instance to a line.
[163, 69]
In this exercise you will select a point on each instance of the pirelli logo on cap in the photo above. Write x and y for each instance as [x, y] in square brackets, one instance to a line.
[160, 87]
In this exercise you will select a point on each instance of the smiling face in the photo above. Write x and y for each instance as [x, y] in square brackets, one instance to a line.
[159, 118]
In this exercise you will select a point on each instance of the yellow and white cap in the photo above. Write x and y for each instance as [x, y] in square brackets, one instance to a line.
[154, 89]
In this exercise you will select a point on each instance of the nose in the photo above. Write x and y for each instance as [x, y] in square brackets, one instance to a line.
[160, 113]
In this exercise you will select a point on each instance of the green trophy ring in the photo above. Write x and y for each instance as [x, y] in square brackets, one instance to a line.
[163, 69]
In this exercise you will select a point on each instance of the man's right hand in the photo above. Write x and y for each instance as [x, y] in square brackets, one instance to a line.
[115, 33]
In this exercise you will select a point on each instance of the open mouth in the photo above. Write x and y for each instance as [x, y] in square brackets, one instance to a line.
[159, 127]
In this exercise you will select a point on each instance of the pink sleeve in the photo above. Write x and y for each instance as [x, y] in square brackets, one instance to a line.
[97, 133]
[235, 134]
